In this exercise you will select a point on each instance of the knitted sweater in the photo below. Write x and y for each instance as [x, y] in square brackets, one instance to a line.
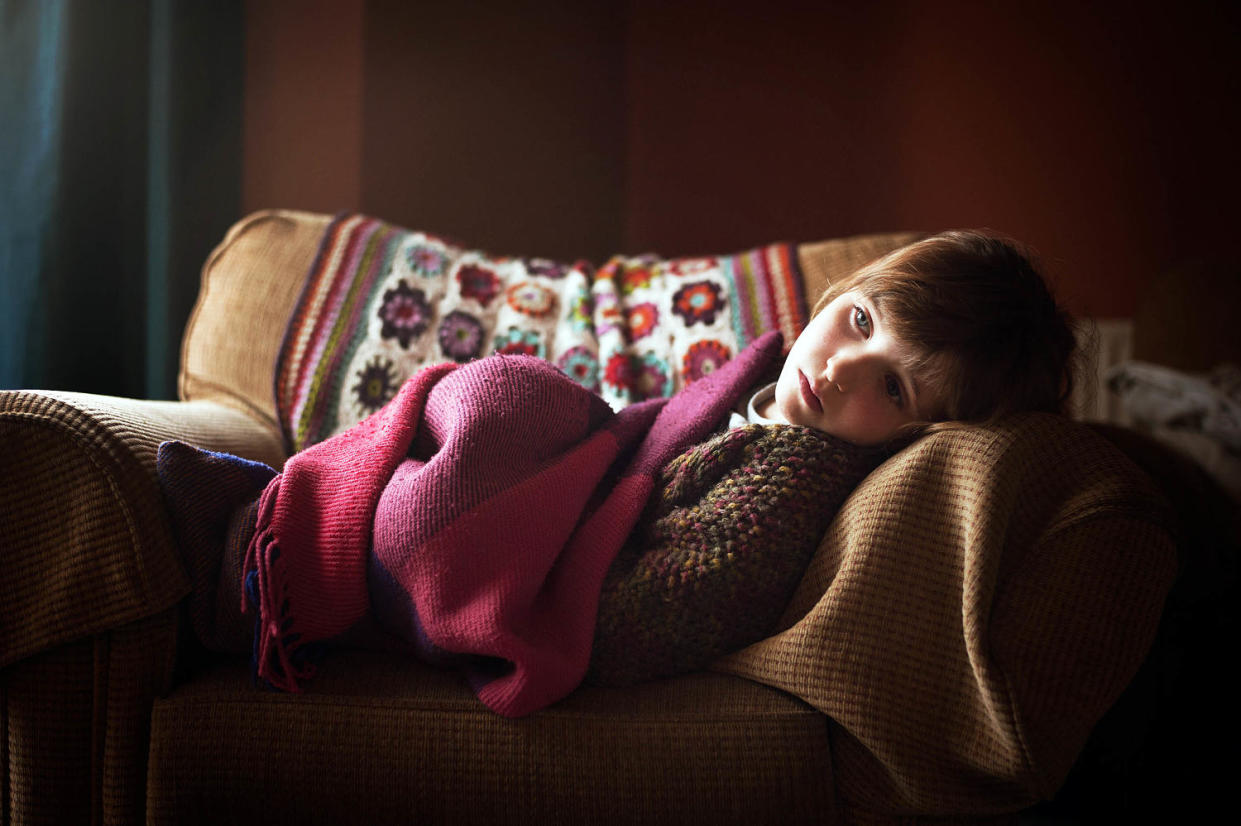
[720, 549]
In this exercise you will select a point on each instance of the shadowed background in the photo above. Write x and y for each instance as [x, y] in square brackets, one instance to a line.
[1103, 135]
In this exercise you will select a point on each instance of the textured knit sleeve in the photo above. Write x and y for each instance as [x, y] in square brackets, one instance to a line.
[720, 549]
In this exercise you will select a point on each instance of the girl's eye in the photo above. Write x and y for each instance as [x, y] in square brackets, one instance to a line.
[893, 388]
[861, 319]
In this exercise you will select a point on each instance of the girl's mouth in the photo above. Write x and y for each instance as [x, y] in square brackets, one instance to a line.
[807, 394]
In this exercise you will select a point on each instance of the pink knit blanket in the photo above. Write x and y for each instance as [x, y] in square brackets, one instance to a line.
[476, 516]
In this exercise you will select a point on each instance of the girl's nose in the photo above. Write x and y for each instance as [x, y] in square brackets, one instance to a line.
[836, 372]
[844, 367]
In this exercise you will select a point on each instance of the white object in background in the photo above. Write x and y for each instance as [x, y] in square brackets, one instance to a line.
[1199, 415]
[1157, 396]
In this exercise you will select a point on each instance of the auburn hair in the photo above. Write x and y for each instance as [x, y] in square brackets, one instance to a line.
[977, 315]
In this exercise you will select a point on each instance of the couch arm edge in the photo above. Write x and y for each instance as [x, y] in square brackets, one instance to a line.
[86, 542]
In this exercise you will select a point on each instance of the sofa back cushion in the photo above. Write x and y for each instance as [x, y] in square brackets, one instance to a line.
[824, 262]
[253, 279]
[249, 285]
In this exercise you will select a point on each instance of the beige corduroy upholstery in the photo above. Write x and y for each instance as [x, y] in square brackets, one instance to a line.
[946, 653]
[825, 262]
[89, 577]
[250, 283]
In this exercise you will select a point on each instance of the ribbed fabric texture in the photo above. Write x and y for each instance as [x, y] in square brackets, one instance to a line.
[90, 576]
[309, 552]
[731, 524]
[249, 286]
[75, 726]
[825, 262]
[383, 739]
[77, 474]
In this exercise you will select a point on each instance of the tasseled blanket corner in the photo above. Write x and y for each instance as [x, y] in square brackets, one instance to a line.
[280, 660]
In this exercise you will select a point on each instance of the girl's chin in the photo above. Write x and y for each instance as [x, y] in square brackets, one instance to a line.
[777, 409]
[792, 415]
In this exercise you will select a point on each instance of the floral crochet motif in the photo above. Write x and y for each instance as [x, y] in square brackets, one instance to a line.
[478, 283]
[652, 378]
[696, 302]
[426, 260]
[634, 277]
[643, 377]
[642, 319]
[461, 336]
[531, 299]
[617, 374]
[405, 314]
[579, 364]
[376, 384]
[703, 358]
[520, 342]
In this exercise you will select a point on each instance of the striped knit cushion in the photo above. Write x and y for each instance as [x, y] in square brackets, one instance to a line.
[381, 302]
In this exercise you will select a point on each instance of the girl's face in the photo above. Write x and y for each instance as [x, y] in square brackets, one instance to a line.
[846, 376]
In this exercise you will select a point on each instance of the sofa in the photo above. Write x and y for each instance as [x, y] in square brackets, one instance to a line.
[976, 609]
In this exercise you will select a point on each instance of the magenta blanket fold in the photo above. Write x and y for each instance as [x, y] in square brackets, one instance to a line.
[475, 515]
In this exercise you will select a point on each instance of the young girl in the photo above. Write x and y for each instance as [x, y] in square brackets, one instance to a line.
[958, 327]
[499, 517]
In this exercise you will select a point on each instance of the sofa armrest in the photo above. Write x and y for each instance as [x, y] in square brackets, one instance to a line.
[86, 543]
[979, 602]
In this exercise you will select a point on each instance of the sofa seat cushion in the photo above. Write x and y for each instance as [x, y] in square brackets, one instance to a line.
[378, 738]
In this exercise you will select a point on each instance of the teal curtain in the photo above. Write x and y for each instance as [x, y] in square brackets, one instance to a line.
[120, 167]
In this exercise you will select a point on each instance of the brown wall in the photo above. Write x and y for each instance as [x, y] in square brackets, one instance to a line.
[1103, 136]
[302, 114]
[476, 120]
[496, 126]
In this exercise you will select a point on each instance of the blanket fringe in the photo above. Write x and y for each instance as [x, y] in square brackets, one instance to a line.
[280, 659]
